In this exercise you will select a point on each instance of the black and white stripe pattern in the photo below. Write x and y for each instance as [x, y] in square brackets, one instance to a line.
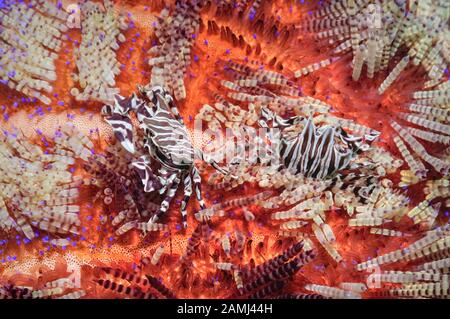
[117, 116]
[314, 152]
[173, 147]
[187, 195]
[150, 181]
[360, 185]
[166, 139]
[170, 194]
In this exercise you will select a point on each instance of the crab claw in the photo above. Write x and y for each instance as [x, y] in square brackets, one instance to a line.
[123, 130]
[149, 180]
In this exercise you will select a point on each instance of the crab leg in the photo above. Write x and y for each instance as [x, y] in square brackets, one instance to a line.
[167, 200]
[146, 175]
[198, 190]
[187, 196]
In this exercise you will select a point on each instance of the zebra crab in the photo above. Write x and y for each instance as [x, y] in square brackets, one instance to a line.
[316, 152]
[167, 141]
[323, 152]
